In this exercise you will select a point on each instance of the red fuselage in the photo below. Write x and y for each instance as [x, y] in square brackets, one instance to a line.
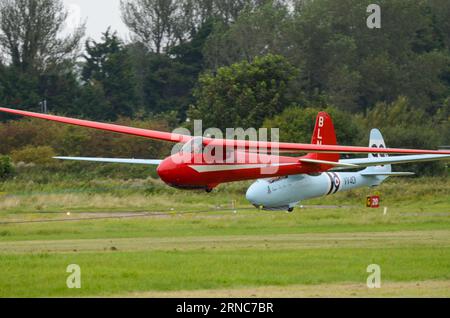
[198, 173]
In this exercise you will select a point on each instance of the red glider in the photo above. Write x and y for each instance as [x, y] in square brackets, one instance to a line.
[239, 159]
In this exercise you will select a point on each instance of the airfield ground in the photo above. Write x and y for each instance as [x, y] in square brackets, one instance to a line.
[135, 239]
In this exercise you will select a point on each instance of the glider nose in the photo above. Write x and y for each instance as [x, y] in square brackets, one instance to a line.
[255, 194]
[167, 171]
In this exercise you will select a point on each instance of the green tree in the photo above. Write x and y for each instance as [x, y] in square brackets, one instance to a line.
[243, 94]
[169, 79]
[296, 124]
[31, 34]
[19, 89]
[403, 126]
[151, 21]
[259, 29]
[108, 74]
[39, 55]
[356, 67]
[442, 119]
[163, 24]
[343, 62]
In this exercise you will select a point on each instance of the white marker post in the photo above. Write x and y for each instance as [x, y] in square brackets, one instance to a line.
[233, 206]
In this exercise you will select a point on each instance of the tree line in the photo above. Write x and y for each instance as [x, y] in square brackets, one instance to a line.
[248, 63]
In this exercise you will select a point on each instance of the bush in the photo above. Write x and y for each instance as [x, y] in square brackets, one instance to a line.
[6, 168]
[40, 155]
[66, 140]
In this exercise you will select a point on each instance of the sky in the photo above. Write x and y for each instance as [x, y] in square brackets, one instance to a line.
[98, 14]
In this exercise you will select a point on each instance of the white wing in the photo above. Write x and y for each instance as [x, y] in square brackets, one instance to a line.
[379, 161]
[113, 160]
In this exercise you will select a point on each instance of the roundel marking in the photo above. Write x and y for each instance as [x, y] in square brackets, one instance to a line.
[337, 182]
[331, 182]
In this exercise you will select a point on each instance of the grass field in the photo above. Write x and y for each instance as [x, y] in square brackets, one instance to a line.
[135, 238]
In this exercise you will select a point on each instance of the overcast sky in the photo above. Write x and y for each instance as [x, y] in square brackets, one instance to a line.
[99, 15]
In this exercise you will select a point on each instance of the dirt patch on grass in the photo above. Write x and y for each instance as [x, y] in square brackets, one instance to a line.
[262, 242]
[440, 288]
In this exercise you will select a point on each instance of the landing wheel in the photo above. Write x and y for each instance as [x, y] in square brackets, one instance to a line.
[209, 190]
[290, 210]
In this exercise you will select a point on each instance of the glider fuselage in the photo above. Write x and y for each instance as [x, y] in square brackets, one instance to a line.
[285, 193]
[198, 172]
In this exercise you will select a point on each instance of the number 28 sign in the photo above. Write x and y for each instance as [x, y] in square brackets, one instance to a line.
[373, 201]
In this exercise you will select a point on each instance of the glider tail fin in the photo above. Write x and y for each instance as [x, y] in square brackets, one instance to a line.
[377, 141]
[324, 134]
